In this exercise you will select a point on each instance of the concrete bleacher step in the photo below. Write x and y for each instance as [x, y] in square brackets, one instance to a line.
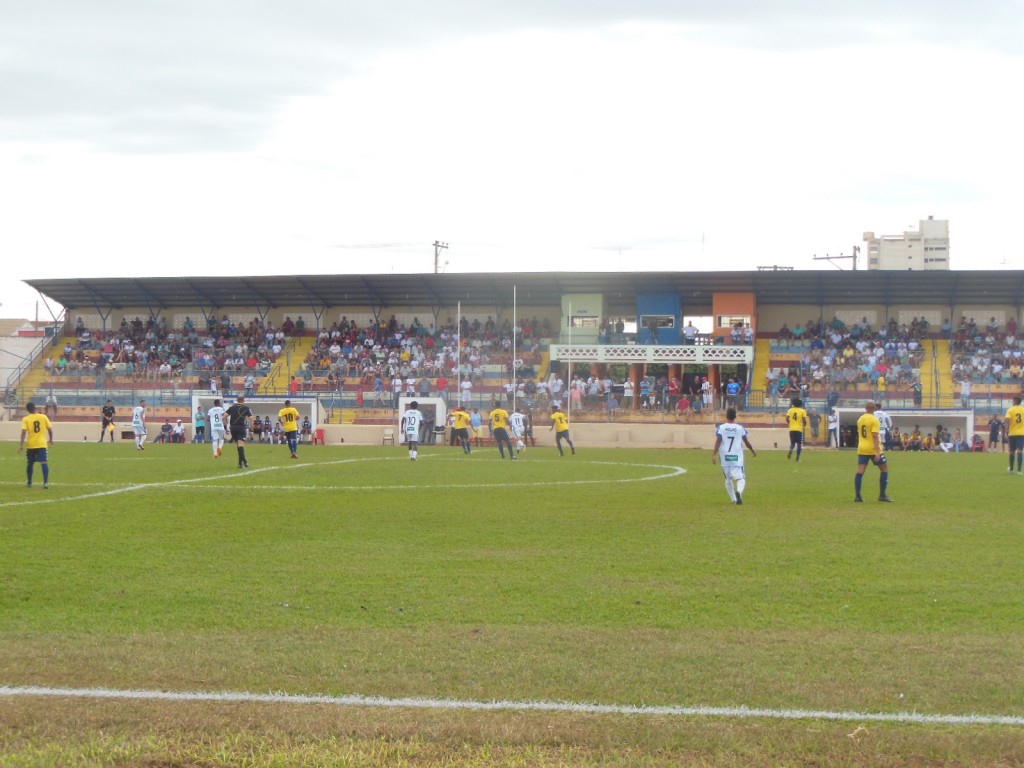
[937, 385]
[545, 362]
[288, 365]
[36, 378]
[762, 362]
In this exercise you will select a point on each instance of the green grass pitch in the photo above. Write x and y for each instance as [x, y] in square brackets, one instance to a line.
[622, 577]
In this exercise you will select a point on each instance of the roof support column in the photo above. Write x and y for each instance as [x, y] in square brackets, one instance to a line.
[314, 302]
[259, 302]
[96, 304]
[151, 301]
[378, 312]
[318, 315]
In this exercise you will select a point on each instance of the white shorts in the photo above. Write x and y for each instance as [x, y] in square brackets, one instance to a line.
[139, 431]
[217, 434]
[734, 472]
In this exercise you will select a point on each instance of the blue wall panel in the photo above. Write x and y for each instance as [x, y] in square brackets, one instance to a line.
[659, 304]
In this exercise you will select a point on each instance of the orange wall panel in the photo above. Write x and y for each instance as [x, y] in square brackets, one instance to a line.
[735, 304]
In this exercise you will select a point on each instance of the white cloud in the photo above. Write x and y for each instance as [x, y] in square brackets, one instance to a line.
[686, 142]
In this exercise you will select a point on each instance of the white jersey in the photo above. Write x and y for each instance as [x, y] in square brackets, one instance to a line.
[731, 451]
[518, 423]
[411, 421]
[216, 417]
[139, 419]
[884, 423]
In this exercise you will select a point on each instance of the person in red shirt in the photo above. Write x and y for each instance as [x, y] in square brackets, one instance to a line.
[684, 408]
[674, 388]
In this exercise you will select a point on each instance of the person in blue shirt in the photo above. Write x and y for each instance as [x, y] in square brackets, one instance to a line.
[476, 421]
[732, 392]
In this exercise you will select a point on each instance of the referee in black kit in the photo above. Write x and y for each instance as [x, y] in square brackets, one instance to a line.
[238, 423]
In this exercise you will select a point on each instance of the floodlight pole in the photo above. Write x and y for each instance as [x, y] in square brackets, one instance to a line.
[568, 362]
[458, 354]
[512, 375]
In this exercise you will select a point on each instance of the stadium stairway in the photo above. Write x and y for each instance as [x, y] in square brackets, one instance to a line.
[937, 374]
[288, 364]
[542, 370]
[762, 362]
[36, 378]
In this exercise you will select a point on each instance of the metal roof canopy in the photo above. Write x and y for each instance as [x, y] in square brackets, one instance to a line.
[537, 289]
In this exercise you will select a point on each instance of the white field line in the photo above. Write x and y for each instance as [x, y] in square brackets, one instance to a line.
[212, 480]
[672, 472]
[168, 484]
[515, 706]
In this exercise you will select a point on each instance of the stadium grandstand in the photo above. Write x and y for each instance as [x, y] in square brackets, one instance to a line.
[632, 351]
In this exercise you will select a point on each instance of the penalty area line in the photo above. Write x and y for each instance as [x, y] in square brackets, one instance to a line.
[513, 706]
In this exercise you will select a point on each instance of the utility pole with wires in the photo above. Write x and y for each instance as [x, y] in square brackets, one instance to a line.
[832, 259]
[438, 247]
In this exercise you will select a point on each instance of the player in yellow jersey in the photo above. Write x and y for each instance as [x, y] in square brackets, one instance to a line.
[499, 430]
[460, 428]
[36, 435]
[289, 416]
[869, 449]
[1015, 433]
[560, 423]
[796, 419]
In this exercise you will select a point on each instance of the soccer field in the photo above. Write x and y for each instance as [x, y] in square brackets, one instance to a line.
[797, 628]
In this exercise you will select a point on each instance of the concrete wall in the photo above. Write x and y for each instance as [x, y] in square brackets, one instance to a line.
[584, 435]
[13, 352]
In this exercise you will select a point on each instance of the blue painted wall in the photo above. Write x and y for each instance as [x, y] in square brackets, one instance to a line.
[659, 304]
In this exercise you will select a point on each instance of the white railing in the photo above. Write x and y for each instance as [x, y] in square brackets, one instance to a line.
[652, 353]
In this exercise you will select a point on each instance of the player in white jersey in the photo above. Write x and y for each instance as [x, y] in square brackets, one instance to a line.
[412, 420]
[730, 439]
[139, 424]
[517, 423]
[217, 431]
[884, 426]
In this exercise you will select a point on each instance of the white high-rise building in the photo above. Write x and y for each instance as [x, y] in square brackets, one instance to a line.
[925, 248]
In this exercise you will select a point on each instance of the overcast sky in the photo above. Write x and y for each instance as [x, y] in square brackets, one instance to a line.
[330, 136]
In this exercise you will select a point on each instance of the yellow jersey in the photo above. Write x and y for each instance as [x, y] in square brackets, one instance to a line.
[868, 429]
[462, 419]
[1015, 421]
[499, 418]
[290, 418]
[561, 421]
[797, 419]
[37, 427]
